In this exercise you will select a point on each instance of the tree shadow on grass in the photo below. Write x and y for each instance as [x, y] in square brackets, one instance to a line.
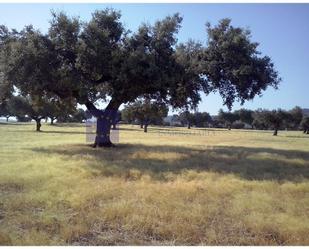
[157, 161]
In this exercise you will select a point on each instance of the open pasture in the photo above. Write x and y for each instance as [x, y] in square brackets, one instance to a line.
[171, 186]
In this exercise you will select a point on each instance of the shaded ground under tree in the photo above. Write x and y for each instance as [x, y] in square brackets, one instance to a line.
[245, 162]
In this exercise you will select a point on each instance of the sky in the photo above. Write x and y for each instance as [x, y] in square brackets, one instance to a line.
[281, 29]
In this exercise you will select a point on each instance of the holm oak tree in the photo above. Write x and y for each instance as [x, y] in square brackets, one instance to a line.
[101, 60]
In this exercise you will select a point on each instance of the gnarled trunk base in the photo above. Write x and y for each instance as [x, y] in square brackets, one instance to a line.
[105, 119]
[101, 143]
[103, 131]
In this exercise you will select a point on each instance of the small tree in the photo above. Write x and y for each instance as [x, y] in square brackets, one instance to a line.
[187, 118]
[79, 116]
[274, 119]
[116, 120]
[202, 119]
[259, 121]
[33, 107]
[294, 117]
[147, 112]
[227, 118]
[305, 125]
[133, 112]
[245, 116]
[127, 115]
[175, 119]
[57, 108]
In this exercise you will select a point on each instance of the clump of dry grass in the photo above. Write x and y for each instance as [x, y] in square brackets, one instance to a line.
[222, 188]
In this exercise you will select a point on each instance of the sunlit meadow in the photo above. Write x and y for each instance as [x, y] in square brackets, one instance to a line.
[170, 186]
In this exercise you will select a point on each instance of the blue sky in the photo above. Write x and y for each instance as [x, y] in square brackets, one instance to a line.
[281, 29]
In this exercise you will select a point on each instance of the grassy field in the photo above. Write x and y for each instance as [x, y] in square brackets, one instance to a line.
[166, 187]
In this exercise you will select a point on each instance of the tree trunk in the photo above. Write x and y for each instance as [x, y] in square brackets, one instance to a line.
[38, 124]
[46, 119]
[145, 127]
[307, 132]
[104, 123]
[275, 132]
[142, 125]
[189, 126]
[52, 121]
[7, 119]
[103, 132]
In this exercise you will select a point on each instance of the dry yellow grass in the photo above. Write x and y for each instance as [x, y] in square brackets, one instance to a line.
[166, 187]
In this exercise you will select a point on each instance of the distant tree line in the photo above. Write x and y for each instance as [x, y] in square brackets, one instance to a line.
[262, 119]
[145, 113]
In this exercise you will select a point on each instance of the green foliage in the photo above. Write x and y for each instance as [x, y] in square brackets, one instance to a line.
[60, 109]
[275, 119]
[186, 118]
[33, 107]
[6, 110]
[305, 124]
[100, 59]
[202, 119]
[75, 116]
[238, 125]
[6, 41]
[295, 117]
[145, 111]
[233, 65]
[245, 115]
[199, 119]
[227, 118]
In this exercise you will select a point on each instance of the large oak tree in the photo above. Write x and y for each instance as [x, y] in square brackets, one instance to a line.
[101, 60]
